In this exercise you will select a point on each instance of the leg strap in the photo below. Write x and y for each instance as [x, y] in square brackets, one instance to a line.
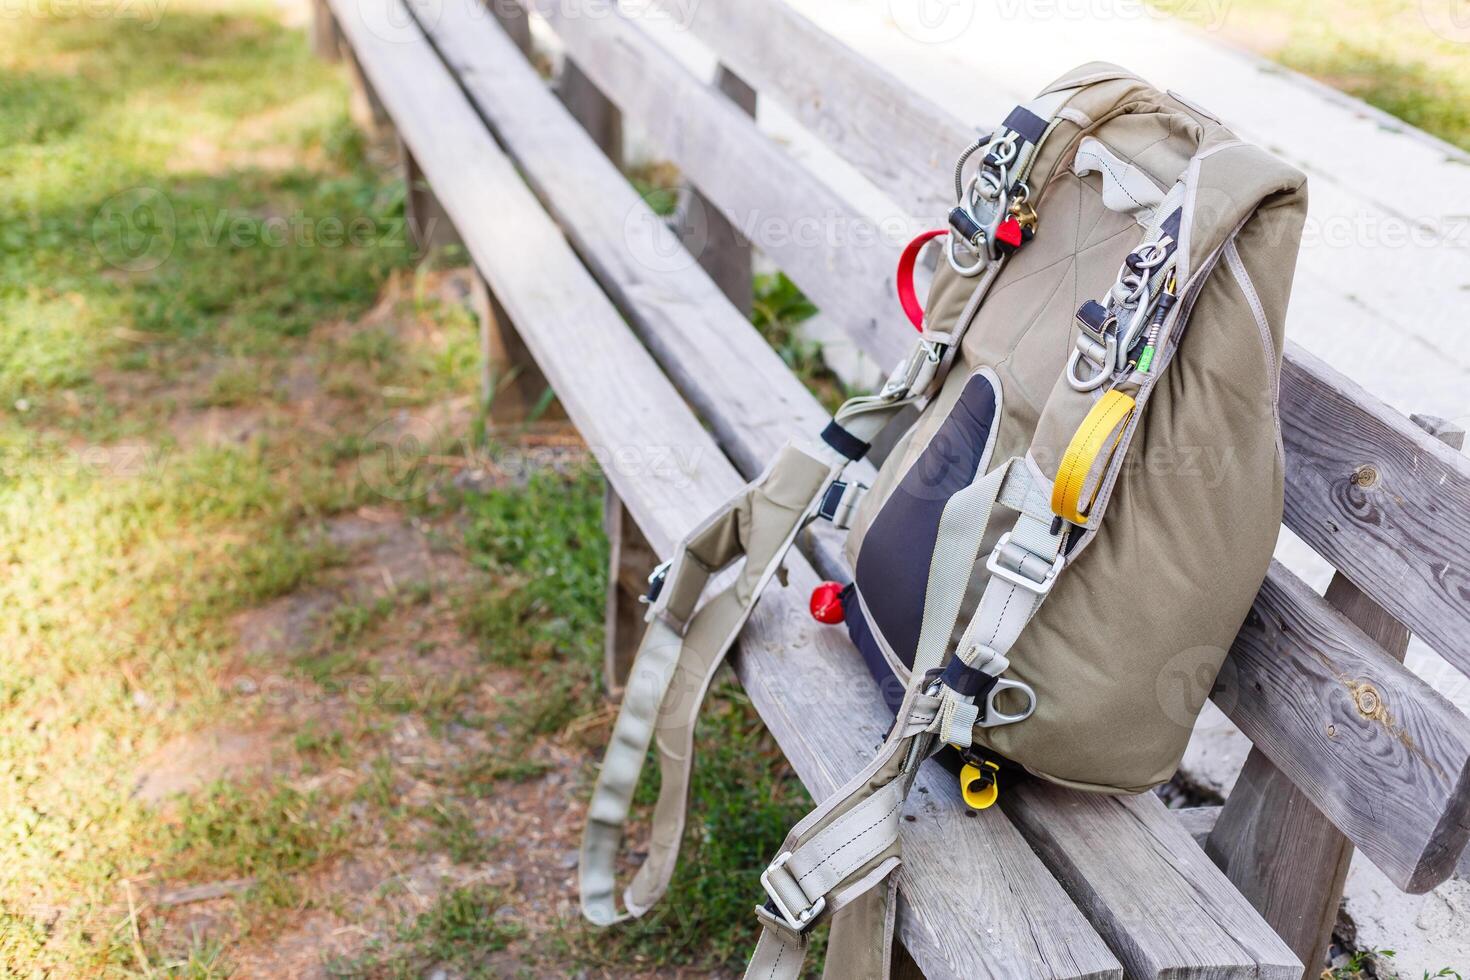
[680, 652]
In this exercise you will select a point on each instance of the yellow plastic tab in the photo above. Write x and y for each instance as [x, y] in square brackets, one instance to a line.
[980, 789]
[1097, 435]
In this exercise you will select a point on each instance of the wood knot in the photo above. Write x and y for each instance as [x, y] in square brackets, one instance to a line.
[1365, 476]
[1332, 731]
[1368, 701]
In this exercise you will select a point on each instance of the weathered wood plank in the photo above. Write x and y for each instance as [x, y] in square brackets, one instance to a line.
[713, 354]
[703, 344]
[722, 250]
[428, 225]
[1271, 842]
[1194, 902]
[1387, 503]
[512, 387]
[824, 711]
[1381, 754]
[322, 32]
[834, 254]
[585, 101]
[1197, 821]
[903, 144]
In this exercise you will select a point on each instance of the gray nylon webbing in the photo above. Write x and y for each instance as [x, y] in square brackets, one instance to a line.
[672, 671]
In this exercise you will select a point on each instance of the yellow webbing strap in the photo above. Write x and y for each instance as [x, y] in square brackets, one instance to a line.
[1096, 437]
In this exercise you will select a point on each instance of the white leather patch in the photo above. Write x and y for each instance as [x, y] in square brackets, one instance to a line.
[1126, 189]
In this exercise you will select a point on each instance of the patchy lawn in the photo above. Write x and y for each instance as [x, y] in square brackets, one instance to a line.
[299, 667]
[1407, 57]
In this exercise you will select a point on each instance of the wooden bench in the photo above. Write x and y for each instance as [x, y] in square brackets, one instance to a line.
[682, 401]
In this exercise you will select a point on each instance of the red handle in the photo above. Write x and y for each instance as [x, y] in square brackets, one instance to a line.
[908, 296]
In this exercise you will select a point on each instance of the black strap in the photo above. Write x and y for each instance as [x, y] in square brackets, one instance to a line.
[971, 682]
[844, 442]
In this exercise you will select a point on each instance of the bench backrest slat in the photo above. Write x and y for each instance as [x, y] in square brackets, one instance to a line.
[1382, 500]
[900, 141]
[805, 227]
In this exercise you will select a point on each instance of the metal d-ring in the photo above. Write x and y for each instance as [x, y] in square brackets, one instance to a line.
[968, 271]
[1104, 371]
[994, 716]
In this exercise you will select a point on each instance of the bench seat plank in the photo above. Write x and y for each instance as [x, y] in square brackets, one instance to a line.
[696, 346]
[826, 714]
[1194, 903]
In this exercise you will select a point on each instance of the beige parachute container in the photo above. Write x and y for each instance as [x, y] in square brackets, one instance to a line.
[1124, 651]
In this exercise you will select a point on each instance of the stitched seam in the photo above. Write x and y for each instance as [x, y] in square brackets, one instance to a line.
[1119, 182]
[829, 856]
[779, 953]
[1002, 617]
[1248, 289]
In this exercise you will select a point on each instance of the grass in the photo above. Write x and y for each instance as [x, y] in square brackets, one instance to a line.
[1406, 57]
[458, 933]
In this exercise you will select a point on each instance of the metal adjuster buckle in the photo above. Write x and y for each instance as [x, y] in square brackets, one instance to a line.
[656, 580]
[1000, 564]
[800, 921]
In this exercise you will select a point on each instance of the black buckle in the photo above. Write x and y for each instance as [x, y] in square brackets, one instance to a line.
[831, 499]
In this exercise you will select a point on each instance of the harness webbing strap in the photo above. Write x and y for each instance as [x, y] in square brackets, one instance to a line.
[674, 667]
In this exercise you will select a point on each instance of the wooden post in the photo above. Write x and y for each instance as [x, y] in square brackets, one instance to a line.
[428, 222]
[1271, 842]
[631, 559]
[511, 14]
[366, 109]
[326, 39]
[721, 249]
[511, 384]
[596, 113]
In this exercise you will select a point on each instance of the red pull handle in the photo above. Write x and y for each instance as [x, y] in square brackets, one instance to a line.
[908, 296]
[826, 604]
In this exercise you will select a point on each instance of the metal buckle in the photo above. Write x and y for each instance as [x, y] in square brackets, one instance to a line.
[798, 922]
[1013, 576]
[656, 580]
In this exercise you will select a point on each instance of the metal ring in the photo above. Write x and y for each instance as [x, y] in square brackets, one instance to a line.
[968, 271]
[1024, 195]
[994, 716]
[1008, 143]
[1086, 384]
